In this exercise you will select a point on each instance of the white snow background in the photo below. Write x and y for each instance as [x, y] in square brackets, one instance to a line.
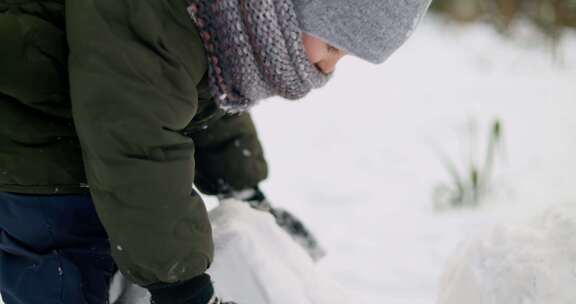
[357, 160]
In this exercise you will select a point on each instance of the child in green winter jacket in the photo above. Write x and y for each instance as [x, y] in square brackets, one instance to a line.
[112, 110]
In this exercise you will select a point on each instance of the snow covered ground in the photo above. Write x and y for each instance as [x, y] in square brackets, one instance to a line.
[358, 162]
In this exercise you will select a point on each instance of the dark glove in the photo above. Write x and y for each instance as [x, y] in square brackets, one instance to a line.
[199, 290]
[286, 220]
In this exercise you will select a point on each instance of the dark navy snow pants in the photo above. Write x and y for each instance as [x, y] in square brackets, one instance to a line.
[53, 250]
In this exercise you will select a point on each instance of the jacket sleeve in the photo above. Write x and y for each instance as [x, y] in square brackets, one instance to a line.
[131, 94]
[229, 155]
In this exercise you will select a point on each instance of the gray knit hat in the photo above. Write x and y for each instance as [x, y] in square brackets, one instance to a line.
[369, 29]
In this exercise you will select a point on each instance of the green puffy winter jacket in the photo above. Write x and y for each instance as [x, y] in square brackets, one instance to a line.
[111, 96]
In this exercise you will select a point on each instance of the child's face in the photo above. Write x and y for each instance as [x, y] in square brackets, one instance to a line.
[321, 54]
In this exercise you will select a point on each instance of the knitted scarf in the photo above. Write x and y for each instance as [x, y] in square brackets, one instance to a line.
[255, 51]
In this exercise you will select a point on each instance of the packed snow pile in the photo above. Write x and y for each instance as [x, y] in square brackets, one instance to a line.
[255, 262]
[530, 263]
[124, 292]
